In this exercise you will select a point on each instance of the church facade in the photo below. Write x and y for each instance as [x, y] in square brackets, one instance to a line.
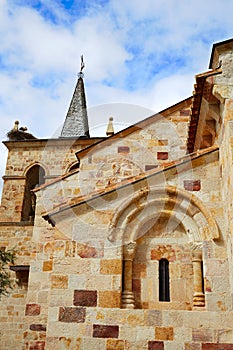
[124, 242]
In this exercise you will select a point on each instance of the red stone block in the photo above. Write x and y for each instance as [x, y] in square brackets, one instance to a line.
[162, 155]
[155, 345]
[39, 345]
[38, 327]
[212, 346]
[184, 112]
[123, 149]
[85, 298]
[72, 314]
[32, 310]
[103, 331]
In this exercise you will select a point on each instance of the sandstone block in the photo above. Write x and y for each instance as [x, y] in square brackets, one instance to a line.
[202, 335]
[59, 282]
[113, 344]
[110, 299]
[47, 265]
[111, 267]
[71, 314]
[164, 333]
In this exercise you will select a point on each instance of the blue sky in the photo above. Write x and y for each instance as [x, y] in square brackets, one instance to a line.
[143, 53]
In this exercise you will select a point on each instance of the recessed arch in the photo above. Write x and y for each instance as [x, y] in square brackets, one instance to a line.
[35, 176]
[170, 201]
[41, 164]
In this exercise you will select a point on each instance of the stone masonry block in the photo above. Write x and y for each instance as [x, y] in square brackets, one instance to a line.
[153, 318]
[85, 298]
[109, 299]
[47, 266]
[163, 252]
[38, 345]
[192, 185]
[211, 346]
[202, 335]
[192, 346]
[155, 345]
[164, 333]
[115, 344]
[38, 327]
[59, 282]
[72, 314]
[32, 310]
[162, 155]
[105, 331]
[111, 267]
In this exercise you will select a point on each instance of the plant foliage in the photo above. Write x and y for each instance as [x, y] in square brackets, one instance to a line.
[6, 257]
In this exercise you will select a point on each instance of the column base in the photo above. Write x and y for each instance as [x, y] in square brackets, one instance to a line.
[127, 300]
[199, 300]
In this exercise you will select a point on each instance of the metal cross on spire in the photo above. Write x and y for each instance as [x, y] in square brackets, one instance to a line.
[80, 74]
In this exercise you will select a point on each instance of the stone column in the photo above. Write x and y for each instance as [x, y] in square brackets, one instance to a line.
[127, 298]
[198, 296]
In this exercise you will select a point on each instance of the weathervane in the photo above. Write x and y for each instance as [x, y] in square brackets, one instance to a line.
[80, 74]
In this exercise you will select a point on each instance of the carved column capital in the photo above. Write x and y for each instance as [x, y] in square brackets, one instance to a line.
[129, 251]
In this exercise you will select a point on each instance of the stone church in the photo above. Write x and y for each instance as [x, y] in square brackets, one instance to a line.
[124, 242]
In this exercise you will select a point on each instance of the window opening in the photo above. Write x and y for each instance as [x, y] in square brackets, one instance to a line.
[164, 288]
[34, 177]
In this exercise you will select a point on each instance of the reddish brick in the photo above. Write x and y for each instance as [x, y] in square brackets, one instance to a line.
[184, 112]
[39, 345]
[123, 149]
[192, 185]
[155, 345]
[32, 310]
[102, 331]
[162, 155]
[212, 346]
[85, 298]
[72, 314]
[38, 327]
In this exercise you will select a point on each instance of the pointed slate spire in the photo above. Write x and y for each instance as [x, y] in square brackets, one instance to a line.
[76, 122]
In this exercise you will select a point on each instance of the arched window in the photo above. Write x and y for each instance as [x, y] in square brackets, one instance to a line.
[164, 288]
[34, 177]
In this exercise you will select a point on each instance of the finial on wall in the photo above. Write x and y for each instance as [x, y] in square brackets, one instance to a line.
[110, 128]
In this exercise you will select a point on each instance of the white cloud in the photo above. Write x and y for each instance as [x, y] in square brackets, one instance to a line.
[139, 52]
